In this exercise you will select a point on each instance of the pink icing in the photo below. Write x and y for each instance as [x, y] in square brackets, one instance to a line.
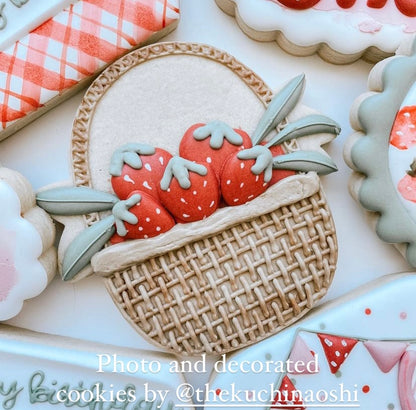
[301, 353]
[407, 388]
[8, 273]
[386, 354]
[389, 14]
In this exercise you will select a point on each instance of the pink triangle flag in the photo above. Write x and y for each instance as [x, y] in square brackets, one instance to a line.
[386, 353]
[301, 359]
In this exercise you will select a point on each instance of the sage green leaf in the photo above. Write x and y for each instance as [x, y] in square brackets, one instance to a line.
[75, 201]
[309, 125]
[305, 161]
[279, 107]
[85, 245]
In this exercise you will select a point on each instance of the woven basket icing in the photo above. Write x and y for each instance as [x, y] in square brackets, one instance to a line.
[232, 279]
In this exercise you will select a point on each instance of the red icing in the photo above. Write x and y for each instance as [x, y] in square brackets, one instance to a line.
[299, 4]
[407, 7]
[287, 396]
[368, 311]
[238, 183]
[337, 349]
[195, 203]
[407, 188]
[200, 151]
[146, 178]
[366, 389]
[376, 4]
[153, 218]
[279, 174]
[346, 4]
[403, 133]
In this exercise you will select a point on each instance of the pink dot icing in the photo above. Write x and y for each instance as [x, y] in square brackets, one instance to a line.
[8, 273]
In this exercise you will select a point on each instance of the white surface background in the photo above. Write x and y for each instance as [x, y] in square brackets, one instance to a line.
[41, 152]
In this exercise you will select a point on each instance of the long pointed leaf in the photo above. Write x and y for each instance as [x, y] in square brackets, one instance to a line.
[85, 245]
[75, 201]
[305, 161]
[309, 125]
[279, 107]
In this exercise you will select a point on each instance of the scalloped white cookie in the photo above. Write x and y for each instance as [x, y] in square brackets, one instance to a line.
[27, 255]
[340, 31]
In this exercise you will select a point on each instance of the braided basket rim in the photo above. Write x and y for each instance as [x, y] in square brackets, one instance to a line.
[82, 176]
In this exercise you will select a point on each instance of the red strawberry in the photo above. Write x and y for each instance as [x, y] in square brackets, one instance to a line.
[188, 190]
[337, 349]
[145, 218]
[239, 184]
[287, 395]
[403, 133]
[145, 179]
[407, 185]
[278, 174]
[211, 144]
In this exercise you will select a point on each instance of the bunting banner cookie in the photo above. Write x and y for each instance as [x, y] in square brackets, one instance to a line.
[358, 352]
[340, 31]
[220, 232]
[62, 53]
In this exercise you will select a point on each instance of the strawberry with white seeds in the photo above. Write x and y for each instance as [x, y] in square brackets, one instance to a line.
[140, 216]
[137, 167]
[212, 143]
[188, 190]
[407, 185]
[246, 175]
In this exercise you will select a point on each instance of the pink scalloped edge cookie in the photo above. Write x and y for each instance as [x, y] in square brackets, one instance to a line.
[339, 31]
[27, 255]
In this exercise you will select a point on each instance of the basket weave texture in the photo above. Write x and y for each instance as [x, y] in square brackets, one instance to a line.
[226, 290]
[232, 289]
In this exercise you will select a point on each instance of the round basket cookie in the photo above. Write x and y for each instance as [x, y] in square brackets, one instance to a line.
[27, 255]
[340, 31]
[227, 242]
[383, 150]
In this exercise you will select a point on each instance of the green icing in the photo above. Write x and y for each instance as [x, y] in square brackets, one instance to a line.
[264, 160]
[218, 131]
[179, 169]
[75, 201]
[92, 396]
[305, 161]
[129, 154]
[370, 154]
[279, 107]
[85, 245]
[121, 213]
[309, 125]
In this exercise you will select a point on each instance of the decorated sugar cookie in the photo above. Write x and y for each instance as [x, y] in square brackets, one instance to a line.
[214, 210]
[359, 352]
[27, 255]
[382, 152]
[53, 372]
[53, 48]
[340, 31]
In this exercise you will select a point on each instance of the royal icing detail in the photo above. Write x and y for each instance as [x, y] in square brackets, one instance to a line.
[156, 190]
[71, 46]
[21, 274]
[371, 355]
[386, 156]
[373, 23]
[52, 372]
